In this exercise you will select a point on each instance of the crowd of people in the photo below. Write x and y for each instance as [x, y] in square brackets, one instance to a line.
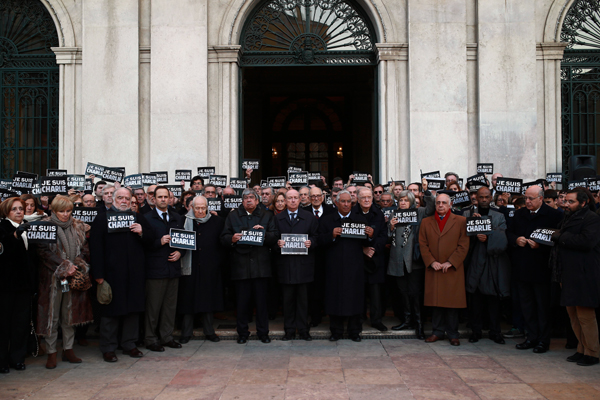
[359, 256]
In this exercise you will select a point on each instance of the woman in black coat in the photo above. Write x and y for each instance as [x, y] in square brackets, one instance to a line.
[16, 286]
[200, 285]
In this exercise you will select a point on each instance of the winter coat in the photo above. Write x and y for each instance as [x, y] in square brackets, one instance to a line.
[376, 220]
[18, 271]
[158, 265]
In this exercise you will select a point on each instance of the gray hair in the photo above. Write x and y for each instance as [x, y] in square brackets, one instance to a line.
[341, 192]
[268, 187]
[107, 187]
[363, 189]
[114, 196]
[304, 187]
[199, 197]
[409, 195]
[443, 194]
[251, 192]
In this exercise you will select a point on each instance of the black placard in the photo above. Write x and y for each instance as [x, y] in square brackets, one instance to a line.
[149, 179]
[539, 183]
[205, 172]
[56, 172]
[214, 204]
[485, 168]
[89, 186]
[328, 200]
[573, 184]
[407, 217]
[230, 202]
[276, 181]
[293, 169]
[250, 163]
[298, 178]
[543, 236]
[120, 221]
[7, 194]
[460, 199]
[477, 178]
[76, 182]
[593, 183]
[182, 239]
[554, 177]
[85, 214]
[5, 183]
[294, 244]
[50, 186]
[134, 181]
[388, 212]
[396, 183]
[479, 225]
[218, 180]
[252, 237]
[353, 230]
[435, 183]
[113, 174]
[36, 190]
[238, 183]
[162, 177]
[23, 181]
[183, 175]
[94, 169]
[263, 184]
[509, 185]
[177, 190]
[42, 232]
[314, 178]
[460, 182]
[360, 177]
[433, 174]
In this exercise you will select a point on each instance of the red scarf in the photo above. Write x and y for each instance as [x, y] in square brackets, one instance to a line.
[442, 222]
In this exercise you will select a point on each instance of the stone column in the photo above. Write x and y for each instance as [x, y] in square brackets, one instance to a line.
[69, 109]
[394, 143]
[224, 136]
[549, 56]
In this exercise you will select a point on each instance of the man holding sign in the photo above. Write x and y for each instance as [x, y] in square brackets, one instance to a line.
[295, 272]
[250, 264]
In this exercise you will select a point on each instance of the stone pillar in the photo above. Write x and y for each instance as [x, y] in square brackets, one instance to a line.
[224, 137]
[110, 83]
[69, 111]
[507, 88]
[394, 143]
[179, 86]
[437, 37]
[549, 56]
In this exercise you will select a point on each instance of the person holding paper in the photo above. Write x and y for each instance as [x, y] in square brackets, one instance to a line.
[406, 263]
[444, 245]
[345, 268]
[295, 272]
[250, 264]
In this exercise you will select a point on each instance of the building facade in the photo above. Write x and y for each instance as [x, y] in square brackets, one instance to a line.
[389, 87]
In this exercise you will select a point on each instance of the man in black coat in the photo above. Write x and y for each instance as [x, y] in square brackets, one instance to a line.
[250, 264]
[345, 269]
[530, 265]
[316, 289]
[163, 269]
[119, 259]
[149, 205]
[295, 272]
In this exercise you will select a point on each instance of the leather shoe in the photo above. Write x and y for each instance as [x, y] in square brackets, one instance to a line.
[474, 337]
[134, 353]
[18, 366]
[334, 338]
[184, 339]
[305, 336]
[172, 344]
[587, 361]
[265, 339]
[379, 326]
[355, 338]
[432, 338]
[242, 339]
[155, 347]
[525, 345]
[541, 348]
[69, 355]
[213, 338]
[455, 342]
[110, 356]
[51, 363]
[4, 370]
[498, 339]
[575, 357]
[288, 336]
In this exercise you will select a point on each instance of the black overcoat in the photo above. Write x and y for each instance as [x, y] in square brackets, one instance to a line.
[158, 265]
[531, 265]
[345, 267]
[247, 261]
[16, 262]
[295, 269]
[579, 257]
[376, 220]
[202, 291]
[119, 259]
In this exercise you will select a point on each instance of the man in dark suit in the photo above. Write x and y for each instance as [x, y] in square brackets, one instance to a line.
[163, 269]
[295, 272]
[530, 265]
[150, 200]
[345, 269]
[316, 289]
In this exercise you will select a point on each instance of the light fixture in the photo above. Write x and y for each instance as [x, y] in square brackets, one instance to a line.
[340, 152]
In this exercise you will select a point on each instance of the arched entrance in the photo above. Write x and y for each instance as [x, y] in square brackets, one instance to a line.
[308, 80]
[29, 83]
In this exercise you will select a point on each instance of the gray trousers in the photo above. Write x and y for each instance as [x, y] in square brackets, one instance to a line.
[60, 311]
[161, 305]
[187, 325]
[109, 331]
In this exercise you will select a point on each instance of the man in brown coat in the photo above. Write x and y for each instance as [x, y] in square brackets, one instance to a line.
[444, 246]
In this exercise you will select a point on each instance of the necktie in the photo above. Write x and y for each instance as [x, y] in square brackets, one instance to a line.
[293, 218]
[164, 215]
[317, 214]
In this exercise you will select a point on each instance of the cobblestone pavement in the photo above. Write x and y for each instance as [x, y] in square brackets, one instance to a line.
[374, 369]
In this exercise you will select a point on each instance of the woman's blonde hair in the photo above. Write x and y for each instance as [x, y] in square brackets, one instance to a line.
[61, 203]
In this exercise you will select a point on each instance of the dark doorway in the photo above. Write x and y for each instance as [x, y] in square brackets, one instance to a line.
[321, 119]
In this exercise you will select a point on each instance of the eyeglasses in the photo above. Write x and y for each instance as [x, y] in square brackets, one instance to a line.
[530, 198]
[316, 196]
[151, 193]
[378, 191]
